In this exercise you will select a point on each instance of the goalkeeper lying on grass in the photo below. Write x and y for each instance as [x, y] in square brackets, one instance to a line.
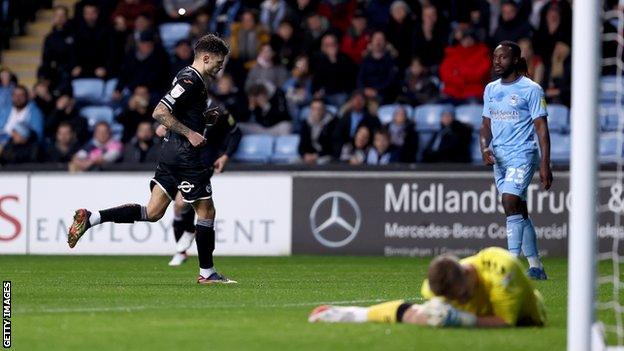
[488, 289]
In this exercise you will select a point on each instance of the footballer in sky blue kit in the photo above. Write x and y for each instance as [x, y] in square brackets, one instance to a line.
[514, 126]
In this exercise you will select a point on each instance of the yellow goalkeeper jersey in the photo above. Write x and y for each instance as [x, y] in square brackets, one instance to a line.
[503, 289]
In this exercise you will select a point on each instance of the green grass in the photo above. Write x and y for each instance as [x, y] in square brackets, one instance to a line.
[139, 303]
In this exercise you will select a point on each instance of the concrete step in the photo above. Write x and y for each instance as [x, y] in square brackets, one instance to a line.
[27, 42]
[40, 29]
[16, 57]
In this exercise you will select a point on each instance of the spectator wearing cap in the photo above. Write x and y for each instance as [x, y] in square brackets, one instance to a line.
[101, 150]
[65, 112]
[21, 110]
[451, 143]
[64, 146]
[267, 113]
[465, 69]
[272, 12]
[92, 45]
[266, 70]
[315, 146]
[58, 49]
[246, 38]
[22, 146]
[430, 38]
[333, 72]
[182, 56]
[381, 152]
[144, 146]
[338, 12]
[355, 116]
[378, 72]
[511, 26]
[400, 31]
[356, 39]
[142, 66]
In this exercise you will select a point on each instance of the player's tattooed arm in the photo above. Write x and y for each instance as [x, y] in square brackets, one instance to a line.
[164, 117]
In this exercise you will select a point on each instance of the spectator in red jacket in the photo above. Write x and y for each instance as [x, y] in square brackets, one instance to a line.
[356, 39]
[465, 69]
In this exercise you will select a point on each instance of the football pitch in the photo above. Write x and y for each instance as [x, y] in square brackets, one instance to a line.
[139, 303]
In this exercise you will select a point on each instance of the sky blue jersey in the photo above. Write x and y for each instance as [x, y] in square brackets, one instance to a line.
[512, 108]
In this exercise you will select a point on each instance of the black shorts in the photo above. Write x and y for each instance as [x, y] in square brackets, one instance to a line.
[193, 183]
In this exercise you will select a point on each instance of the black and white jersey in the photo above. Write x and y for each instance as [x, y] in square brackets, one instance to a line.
[189, 102]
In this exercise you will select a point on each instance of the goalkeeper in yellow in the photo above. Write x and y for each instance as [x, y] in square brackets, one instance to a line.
[489, 289]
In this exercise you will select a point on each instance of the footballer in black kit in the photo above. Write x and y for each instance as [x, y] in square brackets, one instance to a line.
[196, 130]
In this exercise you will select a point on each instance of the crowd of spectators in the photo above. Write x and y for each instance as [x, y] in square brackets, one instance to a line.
[319, 68]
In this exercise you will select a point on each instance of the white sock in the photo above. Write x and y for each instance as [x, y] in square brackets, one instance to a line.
[207, 272]
[94, 219]
[185, 242]
[534, 262]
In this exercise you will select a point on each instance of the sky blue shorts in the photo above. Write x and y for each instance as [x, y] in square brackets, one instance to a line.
[514, 176]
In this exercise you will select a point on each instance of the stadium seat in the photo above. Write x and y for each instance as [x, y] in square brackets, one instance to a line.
[117, 131]
[109, 87]
[608, 148]
[386, 112]
[286, 149]
[470, 114]
[609, 118]
[475, 151]
[424, 137]
[171, 33]
[558, 118]
[428, 116]
[255, 148]
[609, 89]
[95, 114]
[89, 90]
[560, 148]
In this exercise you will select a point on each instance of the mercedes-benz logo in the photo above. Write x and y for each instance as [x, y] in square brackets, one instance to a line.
[343, 223]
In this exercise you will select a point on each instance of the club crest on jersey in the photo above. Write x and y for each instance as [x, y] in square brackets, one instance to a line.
[177, 91]
[185, 186]
[514, 100]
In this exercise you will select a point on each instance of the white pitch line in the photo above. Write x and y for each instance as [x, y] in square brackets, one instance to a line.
[142, 308]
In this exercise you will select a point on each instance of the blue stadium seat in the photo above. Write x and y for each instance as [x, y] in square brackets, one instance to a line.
[117, 131]
[560, 148]
[470, 114]
[171, 33]
[558, 120]
[255, 148]
[109, 87]
[95, 114]
[608, 148]
[286, 149]
[386, 112]
[424, 137]
[428, 116]
[609, 89]
[88, 90]
[609, 118]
